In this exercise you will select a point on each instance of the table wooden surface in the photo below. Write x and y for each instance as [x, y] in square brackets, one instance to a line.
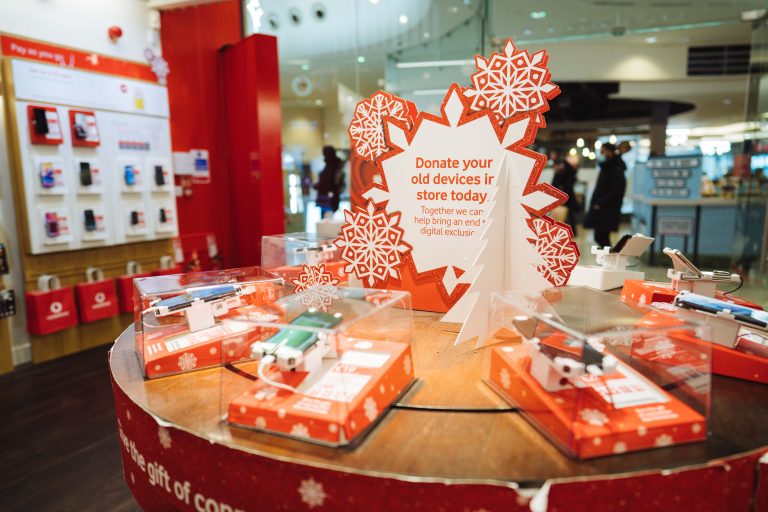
[490, 445]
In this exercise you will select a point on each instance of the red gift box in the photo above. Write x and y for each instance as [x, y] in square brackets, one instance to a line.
[125, 286]
[96, 298]
[50, 309]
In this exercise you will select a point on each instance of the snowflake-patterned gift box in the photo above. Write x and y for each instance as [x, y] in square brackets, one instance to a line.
[581, 422]
[303, 256]
[334, 405]
[166, 343]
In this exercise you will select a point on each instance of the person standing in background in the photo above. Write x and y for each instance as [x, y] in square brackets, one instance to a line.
[330, 182]
[604, 212]
[565, 180]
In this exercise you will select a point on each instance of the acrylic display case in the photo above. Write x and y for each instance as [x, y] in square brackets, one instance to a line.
[596, 376]
[183, 321]
[321, 370]
[302, 257]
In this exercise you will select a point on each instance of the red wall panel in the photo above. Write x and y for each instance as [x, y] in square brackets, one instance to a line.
[251, 91]
[191, 39]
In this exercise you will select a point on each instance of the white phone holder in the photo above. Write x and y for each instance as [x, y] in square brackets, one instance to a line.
[611, 269]
[685, 276]
[201, 314]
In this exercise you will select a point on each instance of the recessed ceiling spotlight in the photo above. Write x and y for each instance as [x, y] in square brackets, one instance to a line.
[527, 32]
[319, 102]
[374, 2]
[426, 35]
[305, 67]
[403, 19]
[538, 15]
[360, 59]
[651, 39]
[454, 9]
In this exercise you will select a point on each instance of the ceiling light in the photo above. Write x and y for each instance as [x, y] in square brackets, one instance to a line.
[527, 32]
[538, 15]
[592, 155]
[403, 19]
[612, 139]
[598, 144]
[374, 2]
[572, 151]
[426, 35]
[305, 67]
[319, 102]
[433, 64]
[579, 142]
[360, 59]
[585, 152]
[454, 9]
[651, 40]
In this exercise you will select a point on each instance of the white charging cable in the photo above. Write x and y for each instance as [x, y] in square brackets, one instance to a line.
[266, 361]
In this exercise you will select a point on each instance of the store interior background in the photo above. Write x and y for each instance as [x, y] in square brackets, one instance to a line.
[672, 78]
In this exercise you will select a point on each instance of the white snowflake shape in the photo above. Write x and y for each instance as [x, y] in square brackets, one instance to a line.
[366, 131]
[642, 430]
[165, 437]
[372, 244]
[260, 422]
[158, 65]
[213, 351]
[317, 288]
[407, 365]
[663, 440]
[312, 493]
[300, 430]
[593, 417]
[665, 349]
[512, 82]
[554, 242]
[187, 361]
[371, 410]
[619, 447]
[506, 381]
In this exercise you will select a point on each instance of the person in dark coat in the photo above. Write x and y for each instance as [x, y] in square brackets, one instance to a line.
[565, 180]
[604, 212]
[330, 182]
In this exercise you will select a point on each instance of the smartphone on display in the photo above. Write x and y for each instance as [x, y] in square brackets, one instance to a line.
[47, 175]
[51, 224]
[129, 175]
[743, 314]
[205, 294]
[86, 177]
[134, 218]
[40, 120]
[689, 267]
[159, 176]
[90, 220]
[301, 340]
[621, 243]
[163, 216]
[81, 130]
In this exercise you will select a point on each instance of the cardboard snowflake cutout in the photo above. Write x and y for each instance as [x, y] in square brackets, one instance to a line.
[459, 211]
[316, 287]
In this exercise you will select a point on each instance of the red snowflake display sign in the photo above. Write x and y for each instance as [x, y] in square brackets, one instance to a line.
[456, 210]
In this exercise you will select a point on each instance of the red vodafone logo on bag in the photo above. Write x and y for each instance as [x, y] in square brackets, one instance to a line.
[57, 311]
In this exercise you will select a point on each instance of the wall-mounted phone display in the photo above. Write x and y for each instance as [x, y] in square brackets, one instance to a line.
[44, 125]
[89, 176]
[85, 131]
[135, 220]
[161, 175]
[51, 178]
[56, 226]
[4, 268]
[130, 173]
[93, 224]
[166, 219]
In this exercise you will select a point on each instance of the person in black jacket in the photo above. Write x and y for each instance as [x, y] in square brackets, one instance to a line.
[604, 212]
[330, 182]
[564, 180]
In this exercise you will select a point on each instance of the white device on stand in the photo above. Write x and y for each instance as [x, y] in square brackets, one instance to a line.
[686, 277]
[201, 306]
[611, 269]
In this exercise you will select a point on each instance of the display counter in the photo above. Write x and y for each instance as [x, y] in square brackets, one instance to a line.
[450, 443]
[702, 227]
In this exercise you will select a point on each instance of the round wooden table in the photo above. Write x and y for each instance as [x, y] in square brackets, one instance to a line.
[453, 443]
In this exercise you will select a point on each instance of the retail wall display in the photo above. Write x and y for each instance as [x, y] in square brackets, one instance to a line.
[599, 377]
[106, 161]
[457, 210]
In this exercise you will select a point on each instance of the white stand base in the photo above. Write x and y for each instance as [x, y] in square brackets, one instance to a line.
[600, 279]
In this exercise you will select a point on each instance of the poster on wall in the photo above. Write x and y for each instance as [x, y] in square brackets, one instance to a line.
[454, 209]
